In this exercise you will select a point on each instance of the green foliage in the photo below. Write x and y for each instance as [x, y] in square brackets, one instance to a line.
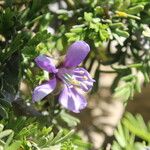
[36, 45]
[127, 132]
[119, 35]
[91, 27]
[130, 86]
[137, 126]
[26, 132]
[70, 120]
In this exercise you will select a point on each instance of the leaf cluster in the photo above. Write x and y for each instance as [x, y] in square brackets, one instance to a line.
[129, 130]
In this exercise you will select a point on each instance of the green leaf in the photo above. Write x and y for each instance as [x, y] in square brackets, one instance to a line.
[3, 112]
[88, 16]
[121, 33]
[99, 10]
[5, 103]
[56, 147]
[146, 31]
[119, 134]
[59, 44]
[135, 10]
[67, 136]
[70, 120]
[124, 92]
[57, 137]
[77, 29]
[5, 133]
[137, 126]
[15, 145]
[1, 127]
[116, 25]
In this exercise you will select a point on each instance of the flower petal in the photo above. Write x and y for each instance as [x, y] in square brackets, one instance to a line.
[84, 78]
[76, 54]
[46, 63]
[72, 100]
[43, 90]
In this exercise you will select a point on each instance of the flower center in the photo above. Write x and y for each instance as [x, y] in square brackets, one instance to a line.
[69, 79]
[66, 76]
[75, 77]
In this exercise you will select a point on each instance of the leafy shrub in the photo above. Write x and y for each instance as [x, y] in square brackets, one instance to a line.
[118, 34]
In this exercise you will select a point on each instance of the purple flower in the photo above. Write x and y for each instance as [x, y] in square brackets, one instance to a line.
[73, 78]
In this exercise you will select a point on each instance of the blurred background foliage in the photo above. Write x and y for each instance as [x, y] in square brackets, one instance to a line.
[119, 36]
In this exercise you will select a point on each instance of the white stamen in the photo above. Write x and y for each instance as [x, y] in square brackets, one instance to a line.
[70, 80]
[85, 77]
[80, 72]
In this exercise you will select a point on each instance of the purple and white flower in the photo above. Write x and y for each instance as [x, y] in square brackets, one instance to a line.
[72, 77]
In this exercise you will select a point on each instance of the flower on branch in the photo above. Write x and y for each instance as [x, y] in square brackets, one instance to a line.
[72, 77]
